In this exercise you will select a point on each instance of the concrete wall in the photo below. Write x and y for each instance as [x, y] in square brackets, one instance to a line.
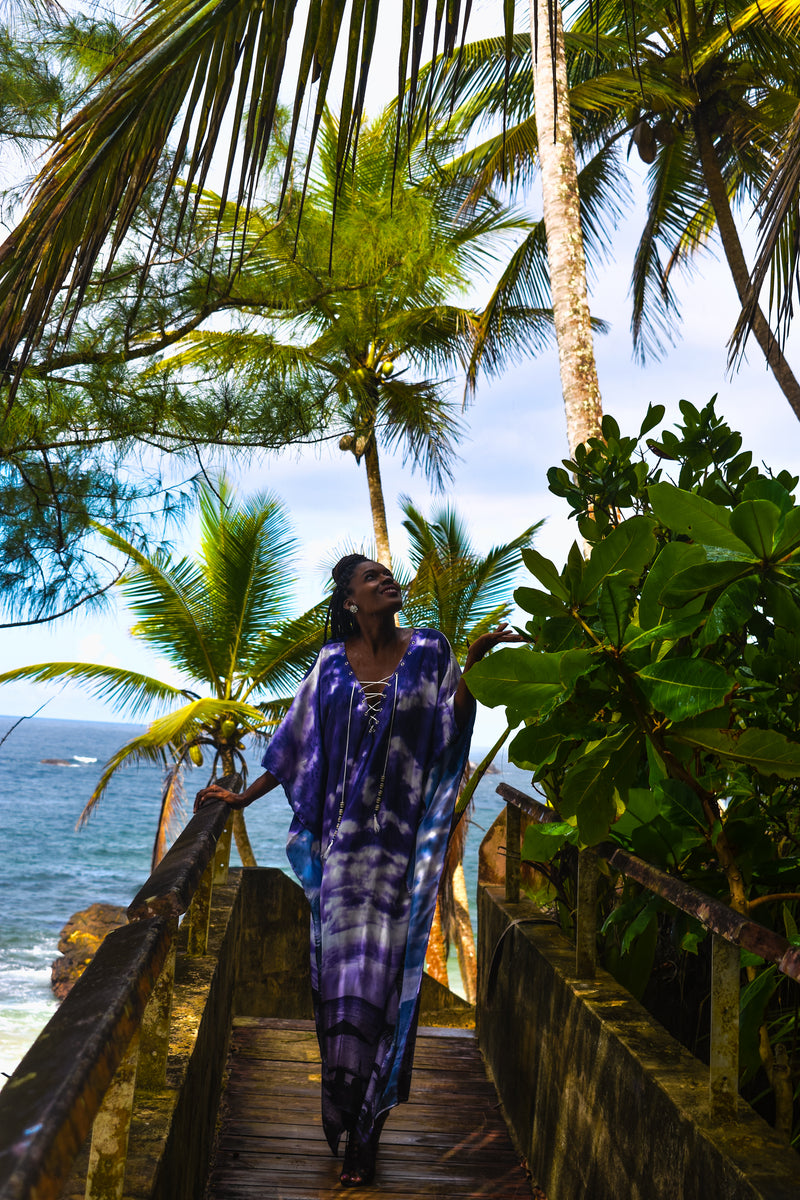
[603, 1102]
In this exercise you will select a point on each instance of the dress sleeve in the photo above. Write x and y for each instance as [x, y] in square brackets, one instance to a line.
[447, 731]
[296, 751]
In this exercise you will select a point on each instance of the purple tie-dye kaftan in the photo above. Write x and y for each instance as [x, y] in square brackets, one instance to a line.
[372, 885]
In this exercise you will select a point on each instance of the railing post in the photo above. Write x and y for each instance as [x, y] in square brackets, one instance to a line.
[199, 914]
[723, 1080]
[586, 916]
[155, 1026]
[222, 854]
[513, 836]
[105, 1176]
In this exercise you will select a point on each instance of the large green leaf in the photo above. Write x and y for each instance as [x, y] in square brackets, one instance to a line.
[546, 572]
[757, 523]
[591, 780]
[790, 537]
[732, 610]
[542, 841]
[534, 746]
[657, 828]
[697, 581]
[636, 638]
[629, 548]
[541, 604]
[527, 681]
[615, 603]
[684, 687]
[764, 749]
[674, 557]
[704, 522]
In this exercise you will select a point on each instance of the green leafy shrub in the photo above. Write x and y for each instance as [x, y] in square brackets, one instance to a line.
[659, 697]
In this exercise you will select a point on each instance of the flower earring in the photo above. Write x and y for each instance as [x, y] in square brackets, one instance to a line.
[353, 608]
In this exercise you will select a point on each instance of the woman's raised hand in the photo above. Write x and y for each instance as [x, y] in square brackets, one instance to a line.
[487, 641]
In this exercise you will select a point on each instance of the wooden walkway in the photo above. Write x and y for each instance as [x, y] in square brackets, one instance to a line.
[449, 1140]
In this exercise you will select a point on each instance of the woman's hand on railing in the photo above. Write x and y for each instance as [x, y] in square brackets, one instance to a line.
[259, 787]
[215, 792]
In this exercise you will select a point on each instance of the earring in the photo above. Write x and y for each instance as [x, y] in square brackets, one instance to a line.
[353, 608]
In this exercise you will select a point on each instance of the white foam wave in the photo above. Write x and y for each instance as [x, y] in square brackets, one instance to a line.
[81, 759]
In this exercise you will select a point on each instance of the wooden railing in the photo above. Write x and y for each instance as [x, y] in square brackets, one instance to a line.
[731, 933]
[111, 1032]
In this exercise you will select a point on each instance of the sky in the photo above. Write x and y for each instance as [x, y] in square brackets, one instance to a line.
[515, 430]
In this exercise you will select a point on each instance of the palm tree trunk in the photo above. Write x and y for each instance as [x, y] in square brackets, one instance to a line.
[240, 834]
[464, 937]
[729, 235]
[436, 954]
[562, 222]
[242, 839]
[376, 501]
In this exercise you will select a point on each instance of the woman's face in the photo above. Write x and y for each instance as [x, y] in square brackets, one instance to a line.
[374, 590]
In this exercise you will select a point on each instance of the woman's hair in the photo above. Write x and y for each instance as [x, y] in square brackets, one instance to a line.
[341, 622]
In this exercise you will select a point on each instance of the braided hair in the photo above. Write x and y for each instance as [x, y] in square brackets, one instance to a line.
[341, 622]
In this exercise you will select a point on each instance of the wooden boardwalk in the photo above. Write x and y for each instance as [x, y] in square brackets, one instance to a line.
[449, 1140]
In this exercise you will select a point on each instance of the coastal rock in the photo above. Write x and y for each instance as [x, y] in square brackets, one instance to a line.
[79, 940]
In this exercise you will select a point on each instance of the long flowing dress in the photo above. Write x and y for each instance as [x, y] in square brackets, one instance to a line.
[369, 857]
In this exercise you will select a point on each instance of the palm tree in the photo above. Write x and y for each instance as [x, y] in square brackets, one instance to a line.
[561, 208]
[706, 98]
[222, 620]
[779, 203]
[462, 593]
[185, 66]
[366, 320]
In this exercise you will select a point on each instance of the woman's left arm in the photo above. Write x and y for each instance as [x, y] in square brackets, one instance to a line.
[464, 701]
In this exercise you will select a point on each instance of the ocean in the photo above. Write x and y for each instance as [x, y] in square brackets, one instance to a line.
[54, 869]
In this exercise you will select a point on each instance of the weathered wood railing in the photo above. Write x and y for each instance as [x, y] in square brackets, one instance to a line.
[732, 932]
[111, 1032]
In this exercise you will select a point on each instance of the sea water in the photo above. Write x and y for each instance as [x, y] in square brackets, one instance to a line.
[53, 869]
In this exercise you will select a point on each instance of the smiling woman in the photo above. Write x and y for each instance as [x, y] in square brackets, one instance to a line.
[370, 756]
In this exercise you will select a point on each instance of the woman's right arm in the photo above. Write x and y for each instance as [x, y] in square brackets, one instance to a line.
[259, 787]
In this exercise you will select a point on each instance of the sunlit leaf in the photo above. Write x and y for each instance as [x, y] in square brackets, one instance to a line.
[684, 687]
[706, 523]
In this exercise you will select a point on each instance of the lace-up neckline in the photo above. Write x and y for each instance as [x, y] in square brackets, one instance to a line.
[374, 692]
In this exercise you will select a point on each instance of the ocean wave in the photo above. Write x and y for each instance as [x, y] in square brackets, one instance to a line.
[82, 759]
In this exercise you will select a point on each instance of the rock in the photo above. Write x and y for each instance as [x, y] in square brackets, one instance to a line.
[79, 940]
[492, 769]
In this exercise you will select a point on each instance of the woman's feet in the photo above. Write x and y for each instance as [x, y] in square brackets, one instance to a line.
[358, 1169]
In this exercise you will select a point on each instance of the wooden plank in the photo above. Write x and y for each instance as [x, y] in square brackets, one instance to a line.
[448, 1140]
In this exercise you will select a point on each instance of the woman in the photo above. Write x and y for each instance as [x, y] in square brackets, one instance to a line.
[370, 755]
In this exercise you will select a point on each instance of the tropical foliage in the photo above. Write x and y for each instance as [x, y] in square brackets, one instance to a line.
[364, 317]
[659, 695]
[186, 67]
[704, 98]
[221, 619]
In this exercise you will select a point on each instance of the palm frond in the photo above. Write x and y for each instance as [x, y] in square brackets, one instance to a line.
[243, 550]
[454, 588]
[278, 660]
[679, 221]
[189, 65]
[165, 736]
[127, 691]
[172, 797]
[170, 600]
